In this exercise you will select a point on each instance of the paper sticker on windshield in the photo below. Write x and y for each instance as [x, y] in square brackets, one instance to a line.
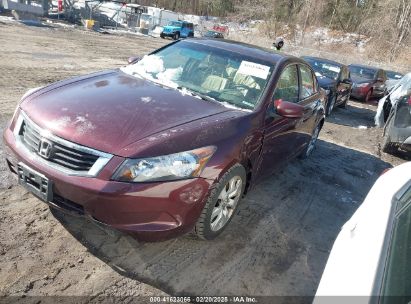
[254, 69]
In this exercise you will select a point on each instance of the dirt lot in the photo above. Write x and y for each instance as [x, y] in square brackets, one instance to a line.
[278, 244]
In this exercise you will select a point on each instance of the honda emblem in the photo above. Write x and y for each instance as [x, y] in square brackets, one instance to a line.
[45, 148]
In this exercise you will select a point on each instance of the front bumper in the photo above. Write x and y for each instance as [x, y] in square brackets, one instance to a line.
[168, 34]
[149, 211]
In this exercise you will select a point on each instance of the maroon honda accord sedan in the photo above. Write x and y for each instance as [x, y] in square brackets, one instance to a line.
[170, 143]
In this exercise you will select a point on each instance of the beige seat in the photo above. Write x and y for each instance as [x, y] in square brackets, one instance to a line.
[214, 83]
[246, 80]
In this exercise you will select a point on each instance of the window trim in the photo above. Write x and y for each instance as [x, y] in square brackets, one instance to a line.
[300, 81]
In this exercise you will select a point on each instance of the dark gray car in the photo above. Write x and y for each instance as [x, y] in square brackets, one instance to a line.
[334, 78]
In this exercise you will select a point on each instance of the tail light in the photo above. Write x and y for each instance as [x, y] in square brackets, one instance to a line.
[409, 100]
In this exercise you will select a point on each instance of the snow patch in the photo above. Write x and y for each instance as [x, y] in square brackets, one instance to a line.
[146, 99]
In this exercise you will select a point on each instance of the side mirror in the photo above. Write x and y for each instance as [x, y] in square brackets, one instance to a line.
[288, 109]
[131, 60]
[379, 79]
[346, 81]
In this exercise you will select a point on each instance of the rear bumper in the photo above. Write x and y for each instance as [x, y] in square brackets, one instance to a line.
[358, 92]
[150, 211]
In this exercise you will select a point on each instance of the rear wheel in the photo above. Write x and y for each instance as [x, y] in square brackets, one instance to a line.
[331, 103]
[221, 204]
[311, 145]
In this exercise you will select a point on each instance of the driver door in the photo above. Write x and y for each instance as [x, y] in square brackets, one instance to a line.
[280, 133]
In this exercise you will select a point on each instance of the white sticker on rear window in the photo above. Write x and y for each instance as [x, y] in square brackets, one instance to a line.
[254, 69]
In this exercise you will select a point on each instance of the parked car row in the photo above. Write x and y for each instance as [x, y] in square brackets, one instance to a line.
[342, 82]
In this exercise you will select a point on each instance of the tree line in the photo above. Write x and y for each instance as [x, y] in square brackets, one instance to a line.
[389, 21]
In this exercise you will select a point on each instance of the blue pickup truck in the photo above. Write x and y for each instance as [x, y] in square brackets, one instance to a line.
[178, 29]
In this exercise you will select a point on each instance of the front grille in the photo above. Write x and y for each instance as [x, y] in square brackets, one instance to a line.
[60, 154]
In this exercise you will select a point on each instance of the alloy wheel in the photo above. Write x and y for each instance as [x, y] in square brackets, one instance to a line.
[226, 203]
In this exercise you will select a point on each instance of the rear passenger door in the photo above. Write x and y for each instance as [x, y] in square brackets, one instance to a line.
[310, 99]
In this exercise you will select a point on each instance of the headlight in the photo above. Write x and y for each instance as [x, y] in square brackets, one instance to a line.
[327, 92]
[362, 85]
[165, 168]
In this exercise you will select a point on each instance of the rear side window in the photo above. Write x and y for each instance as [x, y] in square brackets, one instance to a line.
[397, 274]
[307, 82]
[287, 85]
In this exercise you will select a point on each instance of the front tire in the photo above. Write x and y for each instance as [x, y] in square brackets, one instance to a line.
[387, 145]
[344, 104]
[176, 36]
[222, 203]
[367, 97]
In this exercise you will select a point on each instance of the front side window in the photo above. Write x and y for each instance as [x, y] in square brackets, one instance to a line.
[397, 274]
[208, 72]
[307, 82]
[287, 85]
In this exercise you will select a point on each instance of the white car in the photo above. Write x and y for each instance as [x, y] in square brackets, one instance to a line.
[372, 254]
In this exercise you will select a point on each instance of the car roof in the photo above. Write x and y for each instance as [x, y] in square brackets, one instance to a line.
[324, 60]
[245, 49]
[364, 66]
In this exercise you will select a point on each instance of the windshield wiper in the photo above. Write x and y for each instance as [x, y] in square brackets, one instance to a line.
[195, 93]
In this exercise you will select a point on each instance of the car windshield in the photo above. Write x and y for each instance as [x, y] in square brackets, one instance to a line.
[175, 23]
[394, 75]
[323, 68]
[206, 72]
[362, 72]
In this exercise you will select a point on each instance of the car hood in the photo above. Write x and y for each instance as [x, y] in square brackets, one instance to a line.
[170, 28]
[359, 79]
[110, 110]
[325, 82]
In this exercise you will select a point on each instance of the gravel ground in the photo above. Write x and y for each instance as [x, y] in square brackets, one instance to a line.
[278, 243]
